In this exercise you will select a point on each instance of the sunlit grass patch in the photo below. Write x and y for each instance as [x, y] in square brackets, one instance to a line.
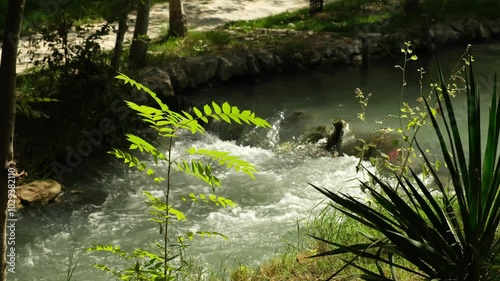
[195, 43]
[340, 16]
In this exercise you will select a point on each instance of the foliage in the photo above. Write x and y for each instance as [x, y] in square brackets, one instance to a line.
[410, 120]
[23, 106]
[68, 56]
[352, 16]
[339, 16]
[193, 44]
[444, 234]
[145, 264]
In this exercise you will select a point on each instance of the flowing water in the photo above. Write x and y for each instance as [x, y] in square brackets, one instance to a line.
[269, 207]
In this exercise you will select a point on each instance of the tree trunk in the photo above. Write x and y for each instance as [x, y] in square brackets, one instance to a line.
[411, 7]
[177, 19]
[138, 48]
[315, 6]
[7, 115]
[120, 35]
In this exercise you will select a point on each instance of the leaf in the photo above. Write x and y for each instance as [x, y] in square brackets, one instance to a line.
[197, 112]
[139, 86]
[226, 108]
[224, 158]
[207, 109]
[199, 170]
[217, 108]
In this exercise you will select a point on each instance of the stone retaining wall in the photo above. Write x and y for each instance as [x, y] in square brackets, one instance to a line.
[325, 49]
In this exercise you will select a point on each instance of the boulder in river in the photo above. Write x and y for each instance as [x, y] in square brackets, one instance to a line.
[316, 134]
[37, 193]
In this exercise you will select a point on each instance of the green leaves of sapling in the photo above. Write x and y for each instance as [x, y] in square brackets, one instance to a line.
[200, 170]
[211, 198]
[169, 124]
[225, 158]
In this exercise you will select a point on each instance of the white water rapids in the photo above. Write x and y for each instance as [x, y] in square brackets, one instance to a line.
[268, 209]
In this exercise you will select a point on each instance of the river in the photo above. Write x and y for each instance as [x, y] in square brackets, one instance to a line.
[269, 207]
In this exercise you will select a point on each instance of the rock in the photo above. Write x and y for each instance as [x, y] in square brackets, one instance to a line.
[494, 26]
[357, 60]
[444, 34]
[316, 134]
[178, 77]
[294, 117]
[37, 193]
[158, 81]
[477, 30]
[277, 60]
[266, 61]
[335, 138]
[458, 26]
[252, 65]
[296, 61]
[231, 66]
[484, 32]
[312, 57]
[201, 69]
[224, 70]
[77, 197]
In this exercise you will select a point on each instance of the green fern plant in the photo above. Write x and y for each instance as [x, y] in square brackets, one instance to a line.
[160, 265]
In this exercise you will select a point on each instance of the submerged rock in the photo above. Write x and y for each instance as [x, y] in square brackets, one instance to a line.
[316, 134]
[37, 193]
[79, 197]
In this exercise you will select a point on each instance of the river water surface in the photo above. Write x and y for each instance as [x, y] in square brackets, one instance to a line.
[269, 207]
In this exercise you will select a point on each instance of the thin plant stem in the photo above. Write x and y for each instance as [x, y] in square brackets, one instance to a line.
[167, 195]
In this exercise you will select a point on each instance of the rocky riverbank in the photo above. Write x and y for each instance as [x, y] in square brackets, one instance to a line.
[299, 50]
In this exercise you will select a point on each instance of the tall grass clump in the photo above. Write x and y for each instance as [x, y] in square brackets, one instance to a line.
[447, 234]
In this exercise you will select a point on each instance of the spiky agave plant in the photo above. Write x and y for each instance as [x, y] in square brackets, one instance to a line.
[448, 236]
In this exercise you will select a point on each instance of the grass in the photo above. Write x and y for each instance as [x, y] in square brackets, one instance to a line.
[340, 16]
[352, 16]
[297, 264]
[198, 43]
[195, 43]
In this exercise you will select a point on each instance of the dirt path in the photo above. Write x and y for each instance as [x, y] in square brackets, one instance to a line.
[201, 14]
